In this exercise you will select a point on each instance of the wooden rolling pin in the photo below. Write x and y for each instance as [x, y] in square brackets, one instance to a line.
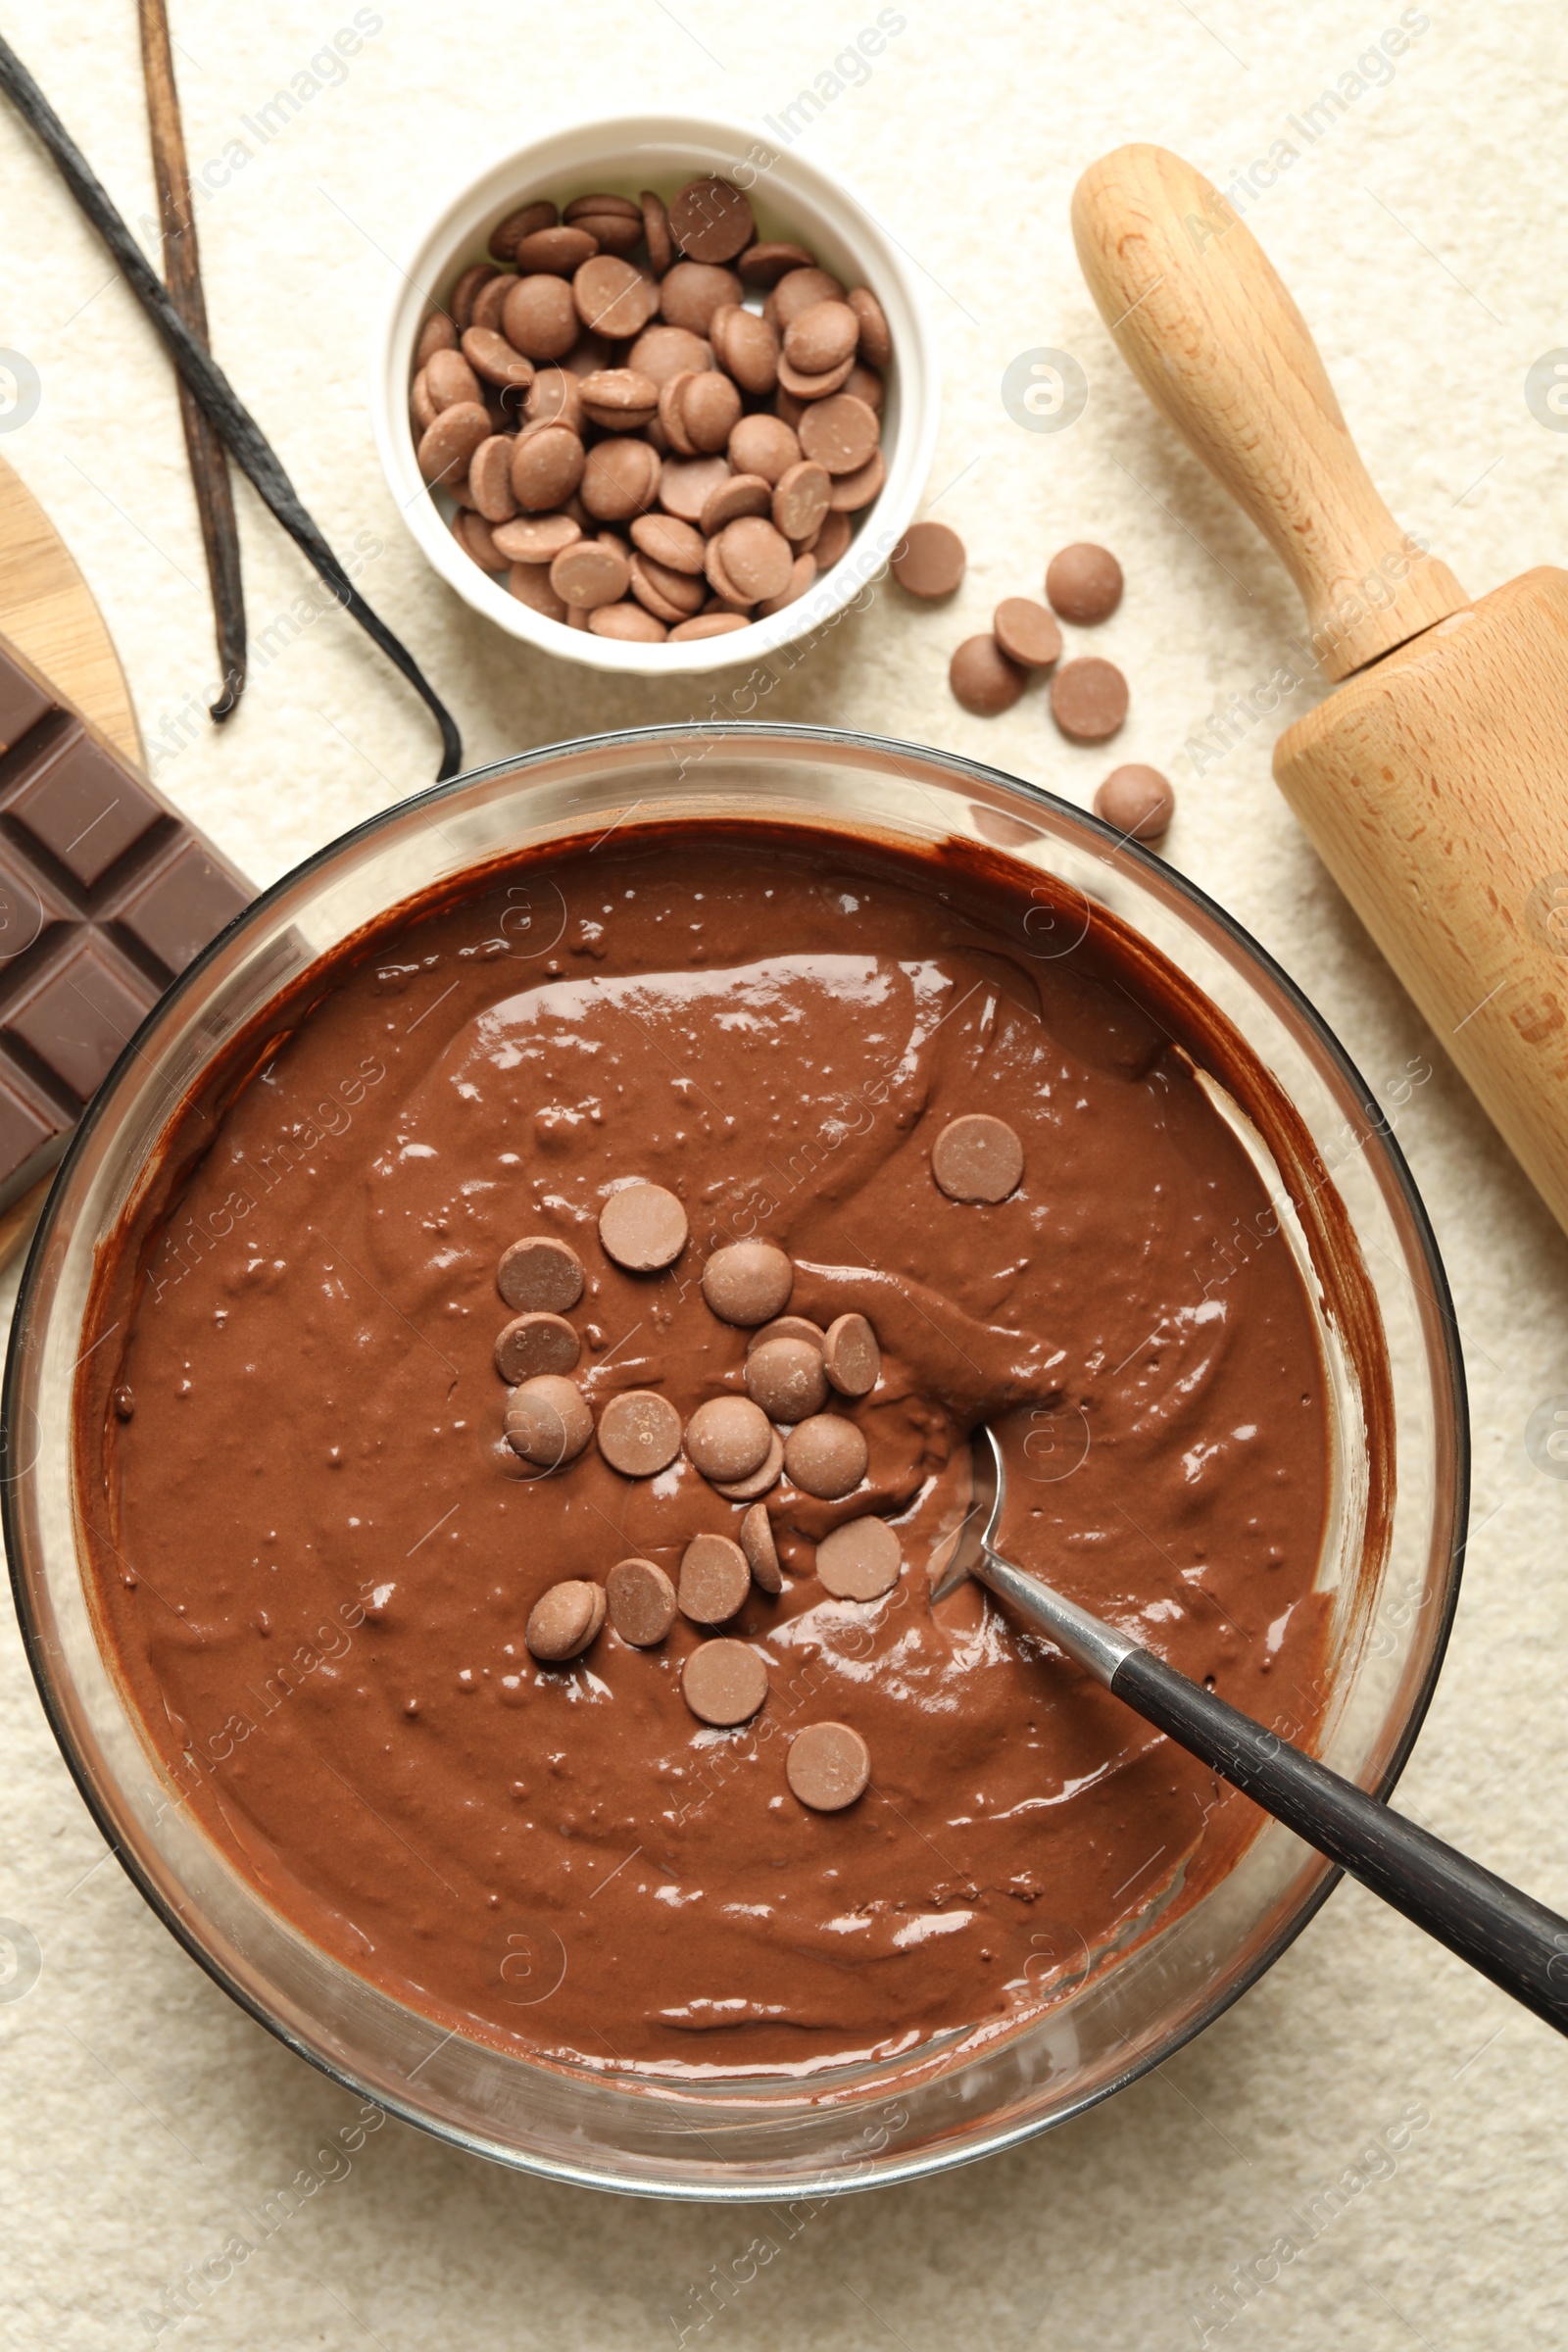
[1435, 782]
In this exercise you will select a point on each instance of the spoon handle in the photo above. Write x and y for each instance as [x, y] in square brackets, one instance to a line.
[1514, 1940]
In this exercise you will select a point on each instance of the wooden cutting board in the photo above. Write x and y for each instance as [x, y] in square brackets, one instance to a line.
[48, 609]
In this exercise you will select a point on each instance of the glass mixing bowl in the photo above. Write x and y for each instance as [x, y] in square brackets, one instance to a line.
[1389, 1554]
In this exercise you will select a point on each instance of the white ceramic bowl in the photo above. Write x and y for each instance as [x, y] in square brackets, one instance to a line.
[792, 199]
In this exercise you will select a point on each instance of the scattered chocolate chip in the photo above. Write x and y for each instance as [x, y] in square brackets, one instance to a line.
[787, 1327]
[564, 1619]
[748, 1282]
[532, 1344]
[125, 1408]
[639, 1433]
[1026, 632]
[1084, 583]
[787, 1379]
[715, 1579]
[761, 1553]
[728, 1438]
[1137, 801]
[641, 1600]
[828, 1766]
[859, 1561]
[1088, 698]
[981, 676]
[643, 1228]
[928, 560]
[723, 1682]
[826, 1456]
[977, 1157]
[747, 1490]
[548, 1421]
[850, 1356]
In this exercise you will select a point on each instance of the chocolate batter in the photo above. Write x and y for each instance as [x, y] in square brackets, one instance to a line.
[315, 1555]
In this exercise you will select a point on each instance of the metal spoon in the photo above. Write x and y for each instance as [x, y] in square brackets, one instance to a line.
[1514, 1940]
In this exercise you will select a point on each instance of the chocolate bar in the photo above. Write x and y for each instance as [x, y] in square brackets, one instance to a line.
[105, 897]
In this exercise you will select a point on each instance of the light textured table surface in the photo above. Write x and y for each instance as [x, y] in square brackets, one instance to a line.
[1421, 233]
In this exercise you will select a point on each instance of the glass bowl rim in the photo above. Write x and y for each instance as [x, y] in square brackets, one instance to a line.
[942, 2155]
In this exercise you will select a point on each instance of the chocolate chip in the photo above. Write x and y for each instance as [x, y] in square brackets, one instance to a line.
[812, 387]
[1137, 801]
[692, 291]
[823, 335]
[621, 479]
[841, 433]
[796, 291]
[977, 1157]
[748, 347]
[532, 1344]
[715, 1579]
[828, 1766]
[800, 498]
[1084, 583]
[747, 1490]
[632, 623]
[850, 1356]
[614, 297]
[661, 351]
[875, 336]
[748, 1282]
[619, 399]
[755, 556]
[723, 1683]
[826, 1456]
[643, 1228]
[686, 484]
[539, 1274]
[639, 1433]
[728, 1438]
[564, 1619]
[667, 540]
[556, 250]
[708, 624]
[539, 318]
[761, 1553]
[765, 446]
[656, 232]
[545, 466]
[710, 220]
[590, 575]
[509, 234]
[1088, 698]
[853, 491]
[786, 1379]
[859, 1561]
[641, 1600]
[765, 264]
[737, 495]
[928, 560]
[1026, 632]
[981, 676]
[788, 1327]
[548, 1421]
